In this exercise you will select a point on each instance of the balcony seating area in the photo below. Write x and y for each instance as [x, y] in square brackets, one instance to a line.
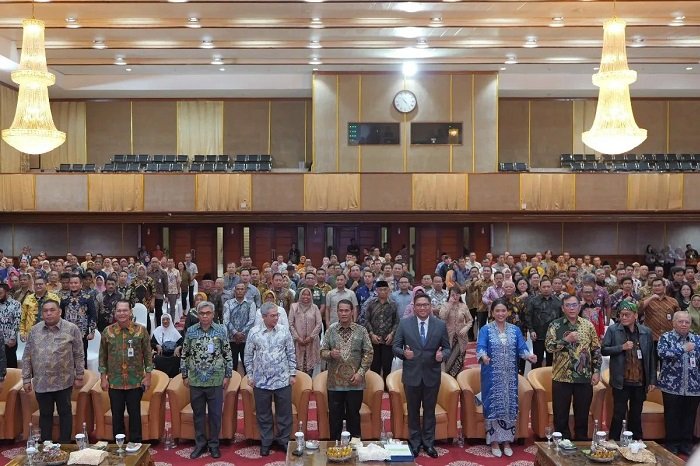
[644, 163]
[513, 167]
[171, 163]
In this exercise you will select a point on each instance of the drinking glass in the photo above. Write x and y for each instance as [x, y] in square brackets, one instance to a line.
[600, 437]
[548, 433]
[120, 442]
[36, 434]
[389, 438]
[80, 441]
[626, 438]
[557, 438]
[31, 451]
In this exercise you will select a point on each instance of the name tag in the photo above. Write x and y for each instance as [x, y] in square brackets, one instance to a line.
[210, 347]
[639, 354]
[692, 362]
[130, 352]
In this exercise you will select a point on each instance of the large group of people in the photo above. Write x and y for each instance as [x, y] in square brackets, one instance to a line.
[354, 314]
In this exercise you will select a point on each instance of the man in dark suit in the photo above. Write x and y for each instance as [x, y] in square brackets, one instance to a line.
[421, 341]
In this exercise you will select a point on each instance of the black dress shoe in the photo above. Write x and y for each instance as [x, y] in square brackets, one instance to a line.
[686, 450]
[215, 452]
[414, 452]
[431, 452]
[199, 451]
[673, 449]
[281, 446]
[264, 451]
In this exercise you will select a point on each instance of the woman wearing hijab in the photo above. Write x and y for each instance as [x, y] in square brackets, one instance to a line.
[305, 326]
[100, 284]
[408, 311]
[167, 344]
[458, 320]
[269, 296]
[694, 312]
[192, 317]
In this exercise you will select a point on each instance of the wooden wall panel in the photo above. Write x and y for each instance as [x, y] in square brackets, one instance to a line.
[233, 243]
[434, 106]
[532, 237]
[99, 238]
[634, 237]
[325, 131]
[108, 130]
[683, 131]
[169, 192]
[691, 191]
[651, 115]
[268, 197]
[377, 96]
[61, 193]
[315, 247]
[154, 126]
[462, 110]
[386, 192]
[499, 237]
[50, 238]
[246, 127]
[349, 107]
[551, 124]
[494, 192]
[288, 133]
[601, 192]
[486, 122]
[513, 134]
[678, 234]
[204, 244]
[582, 238]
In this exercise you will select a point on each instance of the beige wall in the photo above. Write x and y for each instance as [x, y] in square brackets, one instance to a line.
[538, 131]
[442, 97]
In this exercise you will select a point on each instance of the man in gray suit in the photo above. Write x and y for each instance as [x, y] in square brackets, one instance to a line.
[421, 341]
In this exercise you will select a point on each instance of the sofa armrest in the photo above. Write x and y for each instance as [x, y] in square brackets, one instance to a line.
[448, 398]
[230, 411]
[100, 406]
[178, 397]
[321, 396]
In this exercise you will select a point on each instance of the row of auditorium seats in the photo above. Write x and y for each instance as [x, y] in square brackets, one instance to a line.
[132, 163]
[91, 405]
[172, 158]
[77, 168]
[631, 162]
[513, 167]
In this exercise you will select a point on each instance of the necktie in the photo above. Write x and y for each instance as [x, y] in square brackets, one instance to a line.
[422, 333]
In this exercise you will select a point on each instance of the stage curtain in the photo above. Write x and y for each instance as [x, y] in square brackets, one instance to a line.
[223, 193]
[331, 192]
[547, 191]
[654, 191]
[440, 191]
[115, 193]
[17, 193]
[200, 127]
[10, 158]
[69, 117]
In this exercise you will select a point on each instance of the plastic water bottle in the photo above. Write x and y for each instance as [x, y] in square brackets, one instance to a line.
[382, 434]
[85, 433]
[345, 435]
[300, 437]
[622, 432]
[593, 441]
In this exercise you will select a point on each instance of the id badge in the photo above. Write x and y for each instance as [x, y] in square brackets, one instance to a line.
[692, 362]
[639, 354]
[210, 347]
[130, 352]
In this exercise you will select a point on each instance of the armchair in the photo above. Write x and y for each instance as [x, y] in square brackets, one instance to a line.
[541, 381]
[181, 409]
[10, 408]
[301, 391]
[446, 411]
[652, 410]
[370, 411]
[81, 407]
[473, 416]
[152, 409]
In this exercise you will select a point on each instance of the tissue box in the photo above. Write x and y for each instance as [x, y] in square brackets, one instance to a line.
[399, 452]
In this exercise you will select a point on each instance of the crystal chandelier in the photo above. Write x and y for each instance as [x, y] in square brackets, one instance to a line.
[33, 130]
[614, 130]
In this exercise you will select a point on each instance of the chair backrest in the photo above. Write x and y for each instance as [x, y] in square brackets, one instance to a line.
[141, 314]
[541, 376]
[94, 344]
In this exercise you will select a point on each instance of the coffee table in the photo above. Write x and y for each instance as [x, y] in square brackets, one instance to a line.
[139, 458]
[549, 457]
[318, 457]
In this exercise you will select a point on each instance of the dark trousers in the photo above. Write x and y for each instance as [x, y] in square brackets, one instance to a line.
[472, 333]
[416, 397]
[11, 356]
[207, 401]
[190, 292]
[61, 399]
[344, 404]
[562, 393]
[131, 399]
[85, 345]
[627, 404]
[183, 299]
[538, 349]
[283, 414]
[679, 419]
[381, 361]
[482, 318]
[158, 310]
[236, 349]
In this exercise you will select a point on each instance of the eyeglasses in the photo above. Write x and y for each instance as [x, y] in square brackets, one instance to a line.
[571, 305]
[422, 305]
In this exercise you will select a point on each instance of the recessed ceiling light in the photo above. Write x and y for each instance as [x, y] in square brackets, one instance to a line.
[596, 68]
[511, 59]
[119, 60]
[409, 7]
[222, 69]
[193, 22]
[206, 44]
[637, 41]
[530, 42]
[688, 68]
[177, 1]
[315, 61]
[422, 43]
[436, 20]
[127, 69]
[72, 22]
[316, 23]
[42, 1]
[557, 22]
[99, 44]
[315, 45]
[314, 69]
[409, 69]
[503, 68]
[678, 20]
[216, 60]
[314, 1]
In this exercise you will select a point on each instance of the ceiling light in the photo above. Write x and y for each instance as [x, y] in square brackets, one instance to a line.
[33, 130]
[637, 41]
[596, 68]
[511, 59]
[177, 1]
[688, 68]
[314, 1]
[614, 130]
[42, 1]
[436, 21]
[72, 22]
[206, 44]
[315, 61]
[422, 43]
[503, 68]
[315, 45]
[409, 32]
[215, 60]
[316, 23]
[409, 7]
[409, 69]
[314, 69]
[119, 60]
[678, 20]
[99, 44]
[530, 42]
[222, 69]
[193, 22]
[557, 22]
[127, 69]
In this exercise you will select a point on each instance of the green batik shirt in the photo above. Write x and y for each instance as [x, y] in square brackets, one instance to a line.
[206, 356]
[573, 362]
[125, 355]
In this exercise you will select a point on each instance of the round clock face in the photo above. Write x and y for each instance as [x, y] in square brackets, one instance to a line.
[405, 101]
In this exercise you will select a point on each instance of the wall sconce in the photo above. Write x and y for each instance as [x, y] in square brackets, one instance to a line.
[453, 132]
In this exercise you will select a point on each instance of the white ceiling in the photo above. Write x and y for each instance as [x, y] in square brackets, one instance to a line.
[266, 46]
